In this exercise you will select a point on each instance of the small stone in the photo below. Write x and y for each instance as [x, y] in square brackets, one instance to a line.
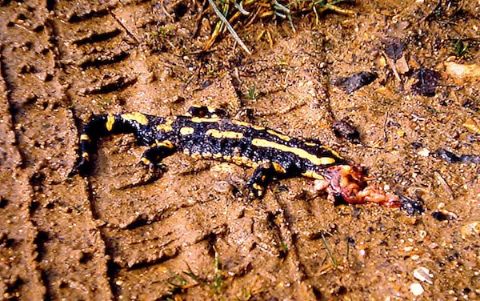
[471, 125]
[459, 71]
[354, 82]
[427, 81]
[424, 152]
[222, 186]
[444, 215]
[402, 65]
[416, 289]
[423, 274]
[470, 229]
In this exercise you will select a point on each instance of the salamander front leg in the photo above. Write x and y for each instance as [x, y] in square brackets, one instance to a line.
[153, 156]
[152, 159]
[260, 178]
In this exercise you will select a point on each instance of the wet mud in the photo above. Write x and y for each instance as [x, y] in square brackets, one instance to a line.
[192, 234]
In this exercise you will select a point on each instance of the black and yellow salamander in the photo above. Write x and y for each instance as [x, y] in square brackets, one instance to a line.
[207, 133]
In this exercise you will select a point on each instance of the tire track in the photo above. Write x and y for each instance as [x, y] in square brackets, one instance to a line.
[71, 264]
[99, 62]
[19, 272]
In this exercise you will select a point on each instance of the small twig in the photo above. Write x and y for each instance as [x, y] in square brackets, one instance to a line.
[24, 28]
[166, 12]
[437, 6]
[198, 22]
[240, 8]
[385, 134]
[391, 63]
[127, 31]
[444, 184]
[280, 7]
[281, 112]
[229, 27]
[339, 10]
[316, 16]
[348, 253]
[192, 275]
[334, 261]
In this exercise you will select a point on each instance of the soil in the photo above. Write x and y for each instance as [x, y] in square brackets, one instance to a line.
[191, 234]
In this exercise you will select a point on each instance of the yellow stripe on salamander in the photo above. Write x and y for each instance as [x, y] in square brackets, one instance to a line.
[110, 122]
[136, 116]
[227, 134]
[246, 124]
[297, 151]
[336, 154]
[332, 151]
[314, 175]
[199, 120]
[281, 136]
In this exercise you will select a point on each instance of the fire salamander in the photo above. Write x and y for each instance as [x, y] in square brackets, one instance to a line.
[207, 133]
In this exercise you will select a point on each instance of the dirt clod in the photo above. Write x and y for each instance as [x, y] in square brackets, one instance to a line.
[427, 81]
[354, 82]
[343, 128]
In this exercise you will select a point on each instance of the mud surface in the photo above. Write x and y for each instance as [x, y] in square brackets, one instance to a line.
[191, 234]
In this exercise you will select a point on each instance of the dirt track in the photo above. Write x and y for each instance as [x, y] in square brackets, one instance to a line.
[191, 234]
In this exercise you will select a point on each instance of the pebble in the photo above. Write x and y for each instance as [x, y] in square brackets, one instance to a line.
[222, 186]
[472, 126]
[470, 229]
[423, 274]
[424, 152]
[416, 289]
[461, 72]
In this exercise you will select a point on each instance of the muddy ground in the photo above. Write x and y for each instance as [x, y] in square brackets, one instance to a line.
[191, 234]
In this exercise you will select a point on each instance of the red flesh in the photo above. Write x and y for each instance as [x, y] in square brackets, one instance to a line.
[349, 182]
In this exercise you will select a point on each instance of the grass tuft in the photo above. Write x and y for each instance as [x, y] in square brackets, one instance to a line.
[241, 14]
[218, 283]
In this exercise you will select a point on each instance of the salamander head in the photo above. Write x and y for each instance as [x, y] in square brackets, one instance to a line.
[349, 182]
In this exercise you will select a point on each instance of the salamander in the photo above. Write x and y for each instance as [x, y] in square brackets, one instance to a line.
[207, 133]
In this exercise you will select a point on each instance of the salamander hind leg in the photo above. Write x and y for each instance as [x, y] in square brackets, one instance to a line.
[204, 111]
[108, 124]
[260, 179]
[98, 125]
